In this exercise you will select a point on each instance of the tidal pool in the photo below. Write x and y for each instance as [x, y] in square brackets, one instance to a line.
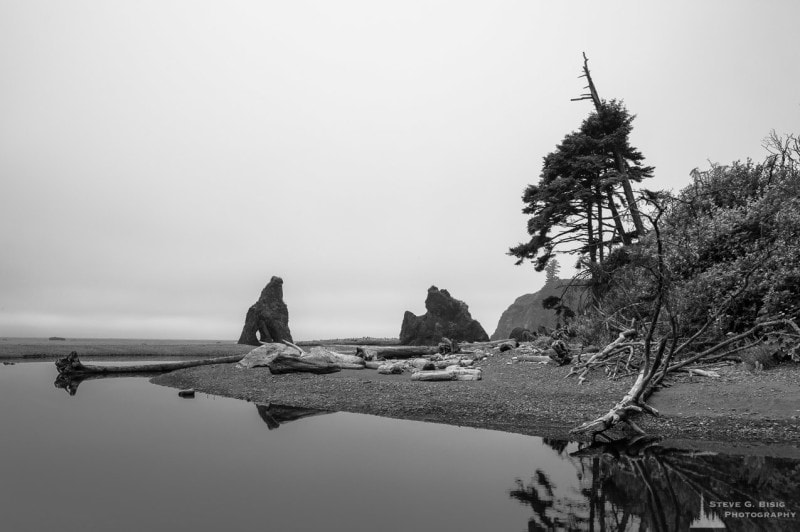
[124, 454]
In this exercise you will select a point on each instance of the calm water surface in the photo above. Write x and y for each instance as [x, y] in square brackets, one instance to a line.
[123, 454]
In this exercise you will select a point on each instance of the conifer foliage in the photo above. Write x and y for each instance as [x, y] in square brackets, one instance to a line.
[579, 206]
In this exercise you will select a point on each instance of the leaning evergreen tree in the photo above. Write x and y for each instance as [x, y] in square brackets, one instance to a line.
[579, 205]
[583, 203]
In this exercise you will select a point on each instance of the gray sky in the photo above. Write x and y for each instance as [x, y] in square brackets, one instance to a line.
[161, 160]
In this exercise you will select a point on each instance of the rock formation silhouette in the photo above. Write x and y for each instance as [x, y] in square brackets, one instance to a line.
[268, 319]
[447, 317]
[527, 311]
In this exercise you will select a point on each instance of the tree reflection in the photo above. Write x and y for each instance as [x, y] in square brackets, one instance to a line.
[637, 484]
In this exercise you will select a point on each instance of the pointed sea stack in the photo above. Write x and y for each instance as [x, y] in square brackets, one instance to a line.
[446, 318]
[268, 319]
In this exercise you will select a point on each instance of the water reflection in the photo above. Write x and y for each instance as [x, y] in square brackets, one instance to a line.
[276, 415]
[273, 415]
[637, 484]
[70, 383]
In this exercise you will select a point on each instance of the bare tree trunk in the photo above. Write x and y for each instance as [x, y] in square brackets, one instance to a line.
[590, 232]
[617, 220]
[599, 226]
[619, 161]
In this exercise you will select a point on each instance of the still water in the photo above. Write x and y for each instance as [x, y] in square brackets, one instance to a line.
[123, 454]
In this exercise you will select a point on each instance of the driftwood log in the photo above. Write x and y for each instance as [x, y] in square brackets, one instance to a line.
[411, 351]
[414, 351]
[366, 353]
[295, 364]
[493, 343]
[452, 373]
[633, 402]
[71, 365]
[391, 368]
[421, 364]
[318, 357]
[542, 359]
[322, 356]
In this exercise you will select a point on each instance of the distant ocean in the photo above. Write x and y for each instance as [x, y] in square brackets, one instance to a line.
[120, 341]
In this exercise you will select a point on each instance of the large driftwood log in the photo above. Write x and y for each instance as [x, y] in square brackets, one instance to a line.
[322, 355]
[412, 351]
[261, 356]
[71, 365]
[292, 359]
[293, 364]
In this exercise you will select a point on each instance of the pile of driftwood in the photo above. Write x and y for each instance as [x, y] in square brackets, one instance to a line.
[446, 362]
[628, 355]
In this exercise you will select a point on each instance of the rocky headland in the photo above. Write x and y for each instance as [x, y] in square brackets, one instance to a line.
[446, 317]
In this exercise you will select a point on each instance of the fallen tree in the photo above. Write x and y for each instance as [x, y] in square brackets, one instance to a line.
[71, 365]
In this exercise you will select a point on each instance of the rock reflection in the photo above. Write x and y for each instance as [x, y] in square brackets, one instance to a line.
[637, 484]
[276, 415]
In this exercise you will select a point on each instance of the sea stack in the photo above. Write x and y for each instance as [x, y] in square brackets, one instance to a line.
[268, 319]
[447, 317]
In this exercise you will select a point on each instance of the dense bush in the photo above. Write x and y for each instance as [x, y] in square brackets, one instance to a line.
[731, 243]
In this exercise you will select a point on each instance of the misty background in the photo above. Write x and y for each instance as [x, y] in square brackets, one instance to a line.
[161, 160]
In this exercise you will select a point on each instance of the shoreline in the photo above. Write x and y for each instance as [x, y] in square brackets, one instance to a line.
[530, 399]
[742, 406]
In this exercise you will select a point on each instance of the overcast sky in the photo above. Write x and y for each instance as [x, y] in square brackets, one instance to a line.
[161, 160]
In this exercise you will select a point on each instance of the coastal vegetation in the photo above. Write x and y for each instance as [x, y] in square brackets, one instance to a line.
[707, 274]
